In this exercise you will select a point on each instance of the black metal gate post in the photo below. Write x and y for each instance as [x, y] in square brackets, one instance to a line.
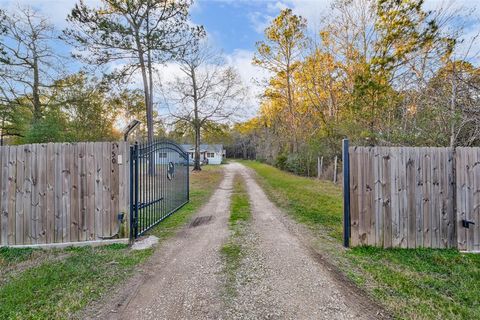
[346, 193]
[159, 179]
[134, 191]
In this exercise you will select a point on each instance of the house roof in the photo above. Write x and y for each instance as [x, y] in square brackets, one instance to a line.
[218, 148]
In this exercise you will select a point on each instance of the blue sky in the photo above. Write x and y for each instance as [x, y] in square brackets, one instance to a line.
[229, 25]
[234, 25]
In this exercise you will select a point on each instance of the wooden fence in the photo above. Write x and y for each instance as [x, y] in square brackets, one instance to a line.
[468, 198]
[414, 197]
[62, 192]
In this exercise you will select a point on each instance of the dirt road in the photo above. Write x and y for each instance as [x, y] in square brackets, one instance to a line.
[284, 279]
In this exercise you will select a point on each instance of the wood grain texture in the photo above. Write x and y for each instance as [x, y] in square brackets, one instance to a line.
[404, 197]
[62, 192]
[90, 197]
[4, 152]
[50, 193]
[114, 188]
[354, 197]
[12, 187]
[107, 194]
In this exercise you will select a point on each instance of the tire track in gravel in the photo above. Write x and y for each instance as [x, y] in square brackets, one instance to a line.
[182, 280]
[285, 280]
[279, 277]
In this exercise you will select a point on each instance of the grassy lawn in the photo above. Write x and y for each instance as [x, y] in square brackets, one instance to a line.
[232, 251]
[413, 284]
[202, 185]
[64, 282]
[309, 201]
[55, 284]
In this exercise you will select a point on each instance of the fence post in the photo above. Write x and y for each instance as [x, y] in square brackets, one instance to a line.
[335, 170]
[318, 168]
[188, 177]
[346, 193]
[133, 191]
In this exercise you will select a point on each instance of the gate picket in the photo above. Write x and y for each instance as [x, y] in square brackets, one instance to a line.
[159, 174]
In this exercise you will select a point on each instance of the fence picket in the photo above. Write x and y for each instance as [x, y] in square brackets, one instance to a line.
[411, 189]
[19, 211]
[114, 187]
[354, 197]
[404, 197]
[41, 193]
[98, 189]
[4, 152]
[90, 197]
[419, 198]
[50, 193]
[82, 191]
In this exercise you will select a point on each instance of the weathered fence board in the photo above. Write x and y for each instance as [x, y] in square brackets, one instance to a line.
[404, 197]
[4, 153]
[62, 192]
[468, 198]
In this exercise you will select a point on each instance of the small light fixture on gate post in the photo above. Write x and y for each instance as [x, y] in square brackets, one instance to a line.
[129, 129]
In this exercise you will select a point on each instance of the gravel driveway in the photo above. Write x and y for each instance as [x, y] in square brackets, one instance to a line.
[284, 280]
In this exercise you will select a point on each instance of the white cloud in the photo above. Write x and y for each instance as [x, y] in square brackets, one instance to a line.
[55, 10]
[251, 76]
[241, 60]
[259, 21]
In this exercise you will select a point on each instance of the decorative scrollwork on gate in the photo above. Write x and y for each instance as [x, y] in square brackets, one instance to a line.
[159, 173]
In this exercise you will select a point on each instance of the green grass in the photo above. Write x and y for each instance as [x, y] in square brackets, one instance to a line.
[412, 284]
[57, 289]
[233, 251]
[240, 207]
[202, 185]
[9, 256]
[57, 284]
[422, 283]
[309, 201]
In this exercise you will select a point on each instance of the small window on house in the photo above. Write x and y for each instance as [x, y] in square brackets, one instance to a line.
[162, 155]
[210, 155]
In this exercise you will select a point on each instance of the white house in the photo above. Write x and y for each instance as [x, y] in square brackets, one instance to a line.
[165, 156]
[209, 153]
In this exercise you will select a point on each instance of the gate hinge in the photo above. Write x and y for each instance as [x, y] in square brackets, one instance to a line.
[467, 223]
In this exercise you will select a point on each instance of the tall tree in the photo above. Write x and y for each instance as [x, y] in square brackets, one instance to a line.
[130, 105]
[29, 62]
[209, 91]
[280, 54]
[137, 34]
[88, 107]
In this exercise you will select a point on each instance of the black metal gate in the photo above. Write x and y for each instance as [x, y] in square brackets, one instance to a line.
[159, 178]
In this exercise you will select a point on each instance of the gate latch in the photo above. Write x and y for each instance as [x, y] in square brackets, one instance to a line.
[467, 223]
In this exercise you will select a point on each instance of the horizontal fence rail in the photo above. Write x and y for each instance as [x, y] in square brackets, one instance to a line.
[62, 192]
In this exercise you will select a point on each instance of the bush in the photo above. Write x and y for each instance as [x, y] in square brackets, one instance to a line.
[295, 163]
[51, 128]
[281, 161]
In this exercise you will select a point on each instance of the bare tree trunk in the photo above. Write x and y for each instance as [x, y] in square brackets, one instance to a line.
[290, 98]
[1, 131]
[197, 124]
[37, 108]
[335, 170]
[146, 89]
[196, 165]
[452, 109]
[150, 80]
